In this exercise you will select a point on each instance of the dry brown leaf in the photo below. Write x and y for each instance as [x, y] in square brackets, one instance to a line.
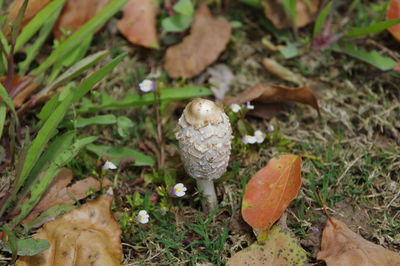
[34, 6]
[207, 40]
[87, 235]
[138, 23]
[341, 246]
[59, 193]
[76, 13]
[264, 94]
[282, 72]
[28, 86]
[275, 12]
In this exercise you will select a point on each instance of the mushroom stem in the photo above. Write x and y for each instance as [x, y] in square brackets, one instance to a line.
[206, 187]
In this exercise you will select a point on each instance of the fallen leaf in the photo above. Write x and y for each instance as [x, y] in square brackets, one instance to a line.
[282, 72]
[27, 87]
[207, 40]
[264, 94]
[305, 12]
[87, 235]
[393, 12]
[279, 249]
[60, 193]
[138, 23]
[221, 78]
[75, 14]
[341, 246]
[34, 6]
[270, 191]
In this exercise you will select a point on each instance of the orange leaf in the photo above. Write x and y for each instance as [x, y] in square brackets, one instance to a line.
[341, 246]
[76, 13]
[87, 235]
[393, 12]
[138, 23]
[270, 190]
[305, 11]
[207, 40]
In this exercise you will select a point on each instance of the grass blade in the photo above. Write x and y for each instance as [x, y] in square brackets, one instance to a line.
[36, 23]
[3, 111]
[320, 21]
[45, 181]
[373, 28]
[134, 100]
[80, 35]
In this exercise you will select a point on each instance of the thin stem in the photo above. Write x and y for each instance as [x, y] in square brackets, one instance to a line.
[160, 134]
[207, 188]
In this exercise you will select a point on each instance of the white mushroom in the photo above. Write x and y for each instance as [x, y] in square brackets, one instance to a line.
[204, 135]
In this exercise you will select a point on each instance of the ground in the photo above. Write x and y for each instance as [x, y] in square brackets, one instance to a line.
[351, 153]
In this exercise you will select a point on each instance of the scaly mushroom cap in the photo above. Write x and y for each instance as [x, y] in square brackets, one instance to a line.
[204, 135]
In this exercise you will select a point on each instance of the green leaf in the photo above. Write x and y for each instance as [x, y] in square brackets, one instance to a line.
[289, 51]
[133, 100]
[39, 188]
[3, 111]
[29, 246]
[176, 23]
[116, 154]
[320, 21]
[95, 120]
[373, 28]
[36, 23]
[371, 57]
[124, 124]
[6, 99]
[48, 215]
[184, 7]
[80, 35]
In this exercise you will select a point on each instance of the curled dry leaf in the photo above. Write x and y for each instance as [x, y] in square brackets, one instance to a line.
[270, 190]
[61, 193]
[279, 248]
[138, 23]
[34, 6]
[76, 13]
[341, 246]
[393, 12]
[282, 72]
[87, 235]
[264, 94]
[305, 12]
[207, 40]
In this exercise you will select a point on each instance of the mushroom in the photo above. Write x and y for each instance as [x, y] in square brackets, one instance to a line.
[204, 135]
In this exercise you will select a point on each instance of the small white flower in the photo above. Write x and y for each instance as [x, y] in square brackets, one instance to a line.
[235, 107]
[260, 136]
[109, 166]
[142, 217]
[147, 85]
[247, 139]
[249, 106]
[270, 128]
[178, 190]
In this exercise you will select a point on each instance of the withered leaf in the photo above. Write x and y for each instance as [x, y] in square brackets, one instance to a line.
[279, 248]
[393, 12]
[76, 13]
[207, 40]
[282, 72]
[341, 246]
[61, 193]
[138, 23]
[264, 94]
[305, 11]
[87, 235]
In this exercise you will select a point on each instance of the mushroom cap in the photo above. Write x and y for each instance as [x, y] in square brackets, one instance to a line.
[204, 135]
[201, 112]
